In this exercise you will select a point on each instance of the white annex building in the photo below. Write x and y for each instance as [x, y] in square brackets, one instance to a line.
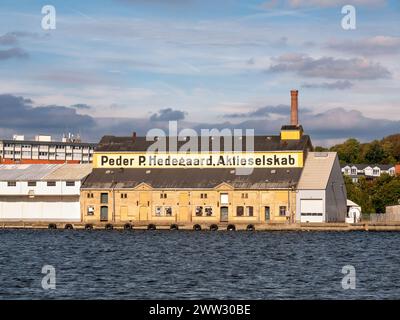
[321, 195]
[353, 212]
[41, 191]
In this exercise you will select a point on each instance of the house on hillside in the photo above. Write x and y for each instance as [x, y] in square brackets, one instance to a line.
[370, 171]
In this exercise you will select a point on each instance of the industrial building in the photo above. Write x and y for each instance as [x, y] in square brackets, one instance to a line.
[289, 183]
[321, 193]
[41, 192]
[43, 150]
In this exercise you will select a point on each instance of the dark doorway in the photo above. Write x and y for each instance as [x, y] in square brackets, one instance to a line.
[224, 214]
[267, 214]
[104, 213]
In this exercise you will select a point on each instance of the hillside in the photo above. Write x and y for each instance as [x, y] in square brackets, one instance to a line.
[385, 151]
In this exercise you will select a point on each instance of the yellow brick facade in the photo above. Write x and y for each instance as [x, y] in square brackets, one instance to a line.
[146, 205]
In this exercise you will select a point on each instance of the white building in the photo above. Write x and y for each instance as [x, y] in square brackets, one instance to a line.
[370, 171]
[42, 149]
[353, 212]
[321, 195]
[41, 192]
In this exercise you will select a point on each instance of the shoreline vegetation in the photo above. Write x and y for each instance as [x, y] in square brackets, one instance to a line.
[372, 195]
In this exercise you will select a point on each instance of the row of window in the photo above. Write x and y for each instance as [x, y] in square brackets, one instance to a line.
[8, 145]
[241, 211]
[163, 211]
[34, 183]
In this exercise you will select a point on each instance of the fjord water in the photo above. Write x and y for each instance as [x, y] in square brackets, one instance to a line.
[198, 265]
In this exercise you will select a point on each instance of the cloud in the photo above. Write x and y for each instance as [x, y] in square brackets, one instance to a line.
[12, 38]
[17, 53]
[264, 112]
[71, 77]
[337, 85]
[329, 67]
[19, 113]
[368, 46]
[81, 106]
[334, 3]
[168, 114]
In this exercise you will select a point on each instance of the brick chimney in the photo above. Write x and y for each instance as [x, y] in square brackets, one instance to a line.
[294, 110]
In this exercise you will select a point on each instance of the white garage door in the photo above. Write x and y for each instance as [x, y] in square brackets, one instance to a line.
[311, 210]
[312, 206]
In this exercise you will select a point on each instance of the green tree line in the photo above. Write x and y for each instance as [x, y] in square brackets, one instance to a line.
[385, 151]
[372, 195]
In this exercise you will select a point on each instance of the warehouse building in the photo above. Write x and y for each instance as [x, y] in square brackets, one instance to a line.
[41, 192]
[130, 184]
[43, 150]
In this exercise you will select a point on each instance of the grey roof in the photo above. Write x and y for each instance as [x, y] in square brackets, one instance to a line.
[70, 172]
[261, 143]
[46, 172]
[192, 178]
[362, 166]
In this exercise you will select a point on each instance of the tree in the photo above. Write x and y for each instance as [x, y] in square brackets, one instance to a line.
[348, 151]
[320, 149]
[375, 153]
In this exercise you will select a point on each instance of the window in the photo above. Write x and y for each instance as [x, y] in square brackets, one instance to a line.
[124, 195]
[282, 211]
[375, 172]
[353, 171]
[239, 211]
[31, 183]
[11, 184]
[163, 196]
[311, 214]
[224, 198]
[245, 195]
[249, 211]
[90, 195]
[203, 196]
[168, 211]
[104, 198]
[90, 211]
[199, 211]
[70, 183]
[163, 211]
[208, 211]
[51, 183]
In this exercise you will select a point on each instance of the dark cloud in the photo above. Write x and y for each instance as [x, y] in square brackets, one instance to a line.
[13, 53]
[168, 114]
[337, 85]
[12, 38]
[264, 112]
[19, 115]
[329, 67]
[81, 106]
[368, 46]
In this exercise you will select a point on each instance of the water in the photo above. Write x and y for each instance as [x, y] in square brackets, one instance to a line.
[198, 265]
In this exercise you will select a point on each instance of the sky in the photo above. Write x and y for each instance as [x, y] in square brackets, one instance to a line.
[118, 66]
